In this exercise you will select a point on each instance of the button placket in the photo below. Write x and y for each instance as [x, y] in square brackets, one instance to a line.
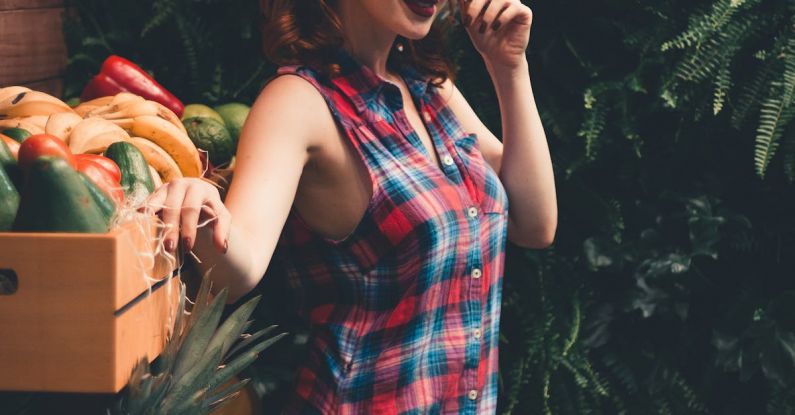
[473, 317]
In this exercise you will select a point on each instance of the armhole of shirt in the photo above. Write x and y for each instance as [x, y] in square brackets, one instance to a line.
[346, 127]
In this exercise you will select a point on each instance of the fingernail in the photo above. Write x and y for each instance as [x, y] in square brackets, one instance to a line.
[495, 25]
[170, 245]
[186, 242]
[482, 28]
[226, 245]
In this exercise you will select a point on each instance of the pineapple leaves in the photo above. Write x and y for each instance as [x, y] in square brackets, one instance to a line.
[201, 358]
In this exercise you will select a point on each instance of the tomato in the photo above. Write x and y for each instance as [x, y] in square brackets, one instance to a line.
[103, 178]
[109, 165]
[43, 145]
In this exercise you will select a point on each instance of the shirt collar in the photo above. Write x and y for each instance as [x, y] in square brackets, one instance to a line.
[362, 84]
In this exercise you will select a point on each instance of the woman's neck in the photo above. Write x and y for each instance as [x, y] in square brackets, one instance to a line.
[368, 43]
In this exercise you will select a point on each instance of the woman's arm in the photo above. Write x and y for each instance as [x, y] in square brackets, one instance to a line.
[274, 146]
[522, 159]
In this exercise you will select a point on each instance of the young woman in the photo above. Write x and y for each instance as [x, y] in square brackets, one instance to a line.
[366, 175]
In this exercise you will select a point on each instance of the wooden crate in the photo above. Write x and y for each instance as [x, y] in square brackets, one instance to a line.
[32, 50]
[82, 314]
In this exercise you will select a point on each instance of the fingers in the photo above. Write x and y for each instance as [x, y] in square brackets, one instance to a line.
[488, 14]
[189, 214]
[517, 14]
[472, 10]
[492, 14]
[170, 213]
[221, 226]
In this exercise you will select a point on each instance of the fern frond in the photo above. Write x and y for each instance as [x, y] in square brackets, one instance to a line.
[703, 26]
[776, 112]
[721, 84]
[163, 10]
[593, 125]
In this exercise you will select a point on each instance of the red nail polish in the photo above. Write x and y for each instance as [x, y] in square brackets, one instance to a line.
[170, 245]
[186, 242]
[482, 28]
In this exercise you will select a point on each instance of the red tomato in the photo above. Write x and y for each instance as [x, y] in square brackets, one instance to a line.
[107, 164]
[102, 178]
[43, 145]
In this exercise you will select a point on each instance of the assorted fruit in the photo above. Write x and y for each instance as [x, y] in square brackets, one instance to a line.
[68, 168]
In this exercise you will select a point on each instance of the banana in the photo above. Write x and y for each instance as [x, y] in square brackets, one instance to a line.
[12, 91]
[161, 161]
[34, 124]
[31, 103]
[133, 108]
[155, 177]
[124, 97]
[61, 124]
[170, 116]
[84, 107]
[100, 142]
[165, 134]
[99, 101]
[82, 134]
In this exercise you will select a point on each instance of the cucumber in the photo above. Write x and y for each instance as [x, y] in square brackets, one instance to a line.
[105, 203]
[55, 199]
[9, 164]
[18, 134]
[9, 201]
[136, 179]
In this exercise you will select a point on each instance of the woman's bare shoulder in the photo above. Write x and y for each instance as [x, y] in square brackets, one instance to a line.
[293, 105]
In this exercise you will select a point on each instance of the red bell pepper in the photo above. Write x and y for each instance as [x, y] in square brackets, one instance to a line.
[104, 177]
[103, 162]
[119, 75]
[43, 145]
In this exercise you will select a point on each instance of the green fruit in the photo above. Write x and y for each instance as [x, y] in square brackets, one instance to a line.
[18, 134]
[9, 201]
[212, 136]
[201, 110]
[136, 178]
[102, 199]
[55, 199]
[234, 114]
[9, 164]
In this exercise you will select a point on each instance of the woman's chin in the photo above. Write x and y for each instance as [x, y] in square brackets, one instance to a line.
[416, 33]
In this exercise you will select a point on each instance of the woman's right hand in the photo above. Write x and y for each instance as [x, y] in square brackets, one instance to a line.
[184, 203]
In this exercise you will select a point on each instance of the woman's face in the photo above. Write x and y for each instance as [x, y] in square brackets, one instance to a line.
[411, 19]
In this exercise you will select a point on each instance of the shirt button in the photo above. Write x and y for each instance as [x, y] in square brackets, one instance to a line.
[476, 273]
[473, 394]
[476, 333]
[472, 212]
[447, 160]
[427, 116]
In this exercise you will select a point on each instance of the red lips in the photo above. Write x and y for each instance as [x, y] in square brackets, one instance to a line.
[423, 8]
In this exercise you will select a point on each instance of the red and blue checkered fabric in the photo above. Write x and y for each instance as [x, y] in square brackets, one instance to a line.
[404, 312]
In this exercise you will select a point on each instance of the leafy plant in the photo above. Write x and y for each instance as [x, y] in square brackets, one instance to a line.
[191, 375]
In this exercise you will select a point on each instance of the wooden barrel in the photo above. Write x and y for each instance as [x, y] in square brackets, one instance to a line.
[32, 48]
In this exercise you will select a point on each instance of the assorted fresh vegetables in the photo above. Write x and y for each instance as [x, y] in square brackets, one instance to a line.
[69, 168]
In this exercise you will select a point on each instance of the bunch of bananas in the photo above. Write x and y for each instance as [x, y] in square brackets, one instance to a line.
[94, 125]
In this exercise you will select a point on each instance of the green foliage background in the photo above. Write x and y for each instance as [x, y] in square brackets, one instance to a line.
[669, 288]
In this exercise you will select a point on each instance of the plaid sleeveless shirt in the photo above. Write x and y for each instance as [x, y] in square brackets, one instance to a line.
[405, 310]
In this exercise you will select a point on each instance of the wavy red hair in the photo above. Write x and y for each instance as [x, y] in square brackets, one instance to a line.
[309, 32]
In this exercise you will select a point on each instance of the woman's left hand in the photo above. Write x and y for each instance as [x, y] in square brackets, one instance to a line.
[499, 29]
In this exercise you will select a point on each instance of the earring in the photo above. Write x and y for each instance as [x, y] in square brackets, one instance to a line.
[399, 47]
